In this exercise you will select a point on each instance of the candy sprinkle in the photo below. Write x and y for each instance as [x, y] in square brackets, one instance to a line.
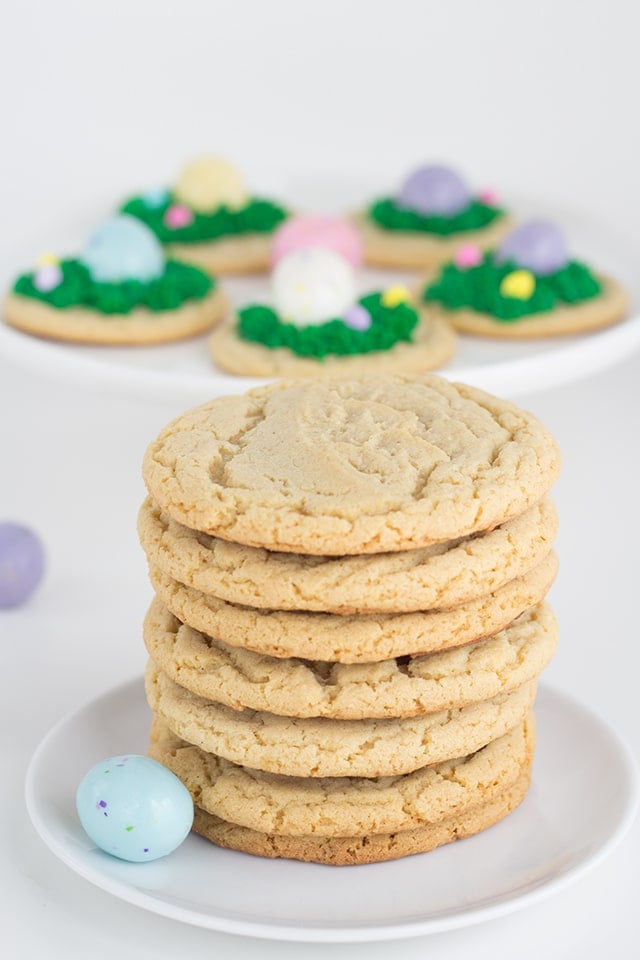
[468, 255]
[393, 296]
[519, 284]
[178, 216]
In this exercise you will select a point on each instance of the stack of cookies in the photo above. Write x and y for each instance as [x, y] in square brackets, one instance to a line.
[349, 617]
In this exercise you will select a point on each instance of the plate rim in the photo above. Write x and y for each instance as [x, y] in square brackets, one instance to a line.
[335, 934]
[574, 358]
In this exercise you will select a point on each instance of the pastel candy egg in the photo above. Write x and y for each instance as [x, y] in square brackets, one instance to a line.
[311, 286]
[47, 277]
[392, 296]
[467, 255]
[134, 808]
[154, 199]
[178, 216]
[538, 246]
[209, 183]
[518, 284]
[332, 233]
[488, 196]
[123, 248]
[47, 259]
[434, 190]
[21, 564]
[357, 317]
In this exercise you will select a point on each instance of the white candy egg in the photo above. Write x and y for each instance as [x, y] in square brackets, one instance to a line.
[311, 286]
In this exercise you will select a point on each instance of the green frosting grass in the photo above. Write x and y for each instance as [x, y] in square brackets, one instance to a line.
[389, 325]
[259, 216]
[388, 215]
[178, 283]
[478, 288]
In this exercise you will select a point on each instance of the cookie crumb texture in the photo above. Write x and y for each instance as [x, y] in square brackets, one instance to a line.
[435, 577]
[401, 687]
[320, 747]
[367, 848]
[358, 638]
[344, 806]
[362, 466]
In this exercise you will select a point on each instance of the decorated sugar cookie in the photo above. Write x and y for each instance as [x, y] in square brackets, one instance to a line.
[318, 325]
[209, 219]
[120, 290]
[528, 287]
[433, 212]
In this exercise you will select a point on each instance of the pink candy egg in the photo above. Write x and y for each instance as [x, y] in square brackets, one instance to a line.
[329, 233]
[468, 255]
[178, 216]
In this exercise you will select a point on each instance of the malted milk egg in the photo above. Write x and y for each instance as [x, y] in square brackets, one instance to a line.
[134, 808]
[22, 563]
[318, 230]
[312, 285]
[209, 183]
[123, 248]
[538, 245]
[434, 190]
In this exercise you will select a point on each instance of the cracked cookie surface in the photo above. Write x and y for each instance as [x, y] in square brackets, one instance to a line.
[368, 848]
[441, 575]
[339, 807]
[394, 688]
[347, 467]
[321, 747]
[357, 638]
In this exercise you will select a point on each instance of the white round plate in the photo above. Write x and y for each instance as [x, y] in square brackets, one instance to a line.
[185, 372]
[572, 817]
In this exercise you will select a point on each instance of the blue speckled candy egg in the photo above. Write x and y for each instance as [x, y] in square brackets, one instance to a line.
[134, 808]
[123, 248]
[538, 245]
[434, 190]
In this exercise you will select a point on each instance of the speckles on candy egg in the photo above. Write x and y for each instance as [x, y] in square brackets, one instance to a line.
[134, 808]
[312, 286]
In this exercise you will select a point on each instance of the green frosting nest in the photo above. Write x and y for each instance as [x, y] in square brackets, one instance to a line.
[389, 325]
[388, 215]
[478, 288]
[259, 216]
[178, 283]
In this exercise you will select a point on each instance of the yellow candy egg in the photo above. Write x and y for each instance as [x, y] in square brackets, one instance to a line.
[47, 260]
[209, 183]
[518, 284]
[395, 295]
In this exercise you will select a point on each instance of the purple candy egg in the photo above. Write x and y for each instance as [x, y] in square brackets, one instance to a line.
[48, 277]
[434, 190]
[538, 245]
[21, 564]
[357, 317]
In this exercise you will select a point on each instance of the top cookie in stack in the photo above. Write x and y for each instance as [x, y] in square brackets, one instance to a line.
[303, 541]
[365, 466]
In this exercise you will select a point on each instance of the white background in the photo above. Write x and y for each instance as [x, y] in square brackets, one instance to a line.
[98, 101]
